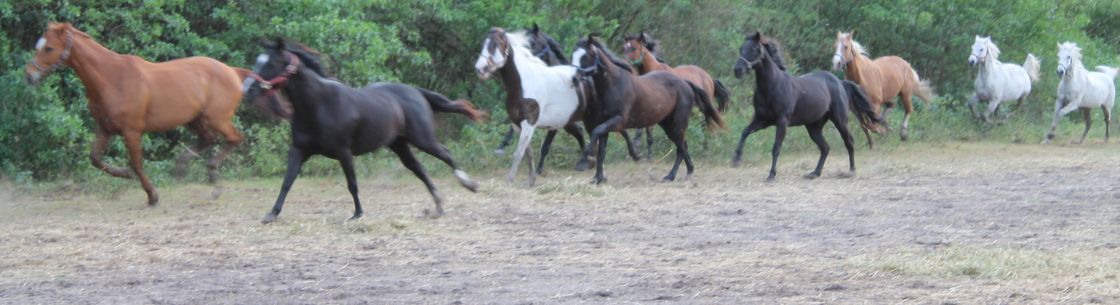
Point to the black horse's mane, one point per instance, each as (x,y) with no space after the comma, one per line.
(614,58)
(774,48)
(310,58)
(555,46)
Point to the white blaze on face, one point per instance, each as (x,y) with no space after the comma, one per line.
(248,82)
(838,57)
(481,63)
(577,56)
(42,42)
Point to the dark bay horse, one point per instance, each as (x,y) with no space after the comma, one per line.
(340,122)
(641,57)
(813,99)
(622,99)
(129,96)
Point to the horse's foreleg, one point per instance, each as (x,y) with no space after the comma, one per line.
(206,141)
(1088,115)
(649,143)
(501,150)
(577,132)
(1059,111)
(99,142)
(993,106)
(296,157)
(346,160)
(600,177)
(755,125)
(779,136)
(409,160)
(815,133)
(136,159)
(597,134)
(523,141)
(971,103)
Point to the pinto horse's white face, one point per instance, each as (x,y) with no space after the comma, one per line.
(1068,53)
(492,58)
(838,58)
(980,51)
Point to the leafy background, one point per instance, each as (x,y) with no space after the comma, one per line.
(45,131)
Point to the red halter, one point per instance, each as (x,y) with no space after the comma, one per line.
(279,81)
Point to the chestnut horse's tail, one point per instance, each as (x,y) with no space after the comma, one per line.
(441,103)
(861,106)
(711,115)
(722,95)
(275,104)
(1032,66)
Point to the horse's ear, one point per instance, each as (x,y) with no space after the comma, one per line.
(536,28)
(642,36)
(756,36)
(852,33)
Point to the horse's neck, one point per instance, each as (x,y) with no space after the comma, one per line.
(860,69)
(990,67)
(650,63)
(307,91)
(92,63)
(1077,76)
(511,80)
(768,76)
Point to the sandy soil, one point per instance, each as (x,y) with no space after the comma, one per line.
(920,224)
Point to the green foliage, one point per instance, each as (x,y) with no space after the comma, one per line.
(45,130)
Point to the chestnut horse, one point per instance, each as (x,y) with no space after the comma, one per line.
(642,58)
(883,79)
(622,99)
(129,96)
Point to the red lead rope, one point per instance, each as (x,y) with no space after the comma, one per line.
(271,85)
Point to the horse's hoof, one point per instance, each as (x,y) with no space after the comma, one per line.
(153,200)
(356,216)
(212,177)
(736,162)
(668,179)
(433,215)
(904,135)
(813,175)
(583,165)
(770,179)
(499,152)
(269,218)
(471,185)
(849,174)
(599,180)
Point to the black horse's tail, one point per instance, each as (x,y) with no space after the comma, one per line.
(722,95)
(861,106)
(711,115)
(441,103)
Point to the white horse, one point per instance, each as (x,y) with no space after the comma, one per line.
(1082,89)
(997,81)
(549,97)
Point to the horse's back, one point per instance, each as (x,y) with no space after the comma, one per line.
(555,94)
(1103,89)
(657,95)
(697,76)
(178,91)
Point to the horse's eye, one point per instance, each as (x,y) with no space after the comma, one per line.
(48,49)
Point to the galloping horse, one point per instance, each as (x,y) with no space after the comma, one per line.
(624,100)
(340,122)
(129,96)
(883,79)
(813,99)
(1082,89)
(997,81)
(643,58)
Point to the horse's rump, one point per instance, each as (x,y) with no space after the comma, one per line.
(655,98)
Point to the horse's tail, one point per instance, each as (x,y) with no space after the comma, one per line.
(924,91)
(861,106)
(723,95)
(242,73)
(711,114)
(441,103)
(1032,65)
(1110,71)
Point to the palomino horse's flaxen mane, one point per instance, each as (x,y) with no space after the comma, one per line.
(883,79)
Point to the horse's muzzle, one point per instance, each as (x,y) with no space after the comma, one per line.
(740,71)
(971,62)
(1061,73)
(33,78)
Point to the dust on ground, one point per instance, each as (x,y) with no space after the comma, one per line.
(955,223)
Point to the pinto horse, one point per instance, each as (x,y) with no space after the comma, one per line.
(646,61)
(129,96)
(339,122)
(624,100)
(883,79)
(813,99)
(1082,89)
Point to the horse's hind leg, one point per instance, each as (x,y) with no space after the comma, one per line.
(136,158)
(815,133)
(649,143)
(1088,115)
(206,141)
(545,147)
(233,138)
(870,141)
(908,106)
(577,132)
(346,160)
(428,144)
(405,154)
(99,142)
(1107,121)
(630,145)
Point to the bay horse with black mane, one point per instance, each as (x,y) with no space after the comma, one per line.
(339,122)
(622,100)
(129,96)
(813,99)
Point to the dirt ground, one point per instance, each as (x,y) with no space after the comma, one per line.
(955,223)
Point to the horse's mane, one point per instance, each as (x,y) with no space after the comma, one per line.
(1073,49)
(519,44)
(993,50)
(653,45)
(774,48)
(859,48)
(556,49)
(310,58)
(614,58)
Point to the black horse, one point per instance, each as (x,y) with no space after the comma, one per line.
(622,99)
(339,122)
(812,100)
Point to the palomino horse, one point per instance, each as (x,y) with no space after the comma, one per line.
(1082,89)
(997,81)
(643,58)
(813,99)
(883,79)
(129,96)
(624,100)
(340,122)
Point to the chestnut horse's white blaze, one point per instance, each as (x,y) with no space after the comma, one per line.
(996,81)
(550,88)
(1082,89)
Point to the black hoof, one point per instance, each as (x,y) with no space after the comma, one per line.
(736,162)
(599,180)
(583,165)
(770,179)
(813,175)
(356,216)
(433,215)
(269,218)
